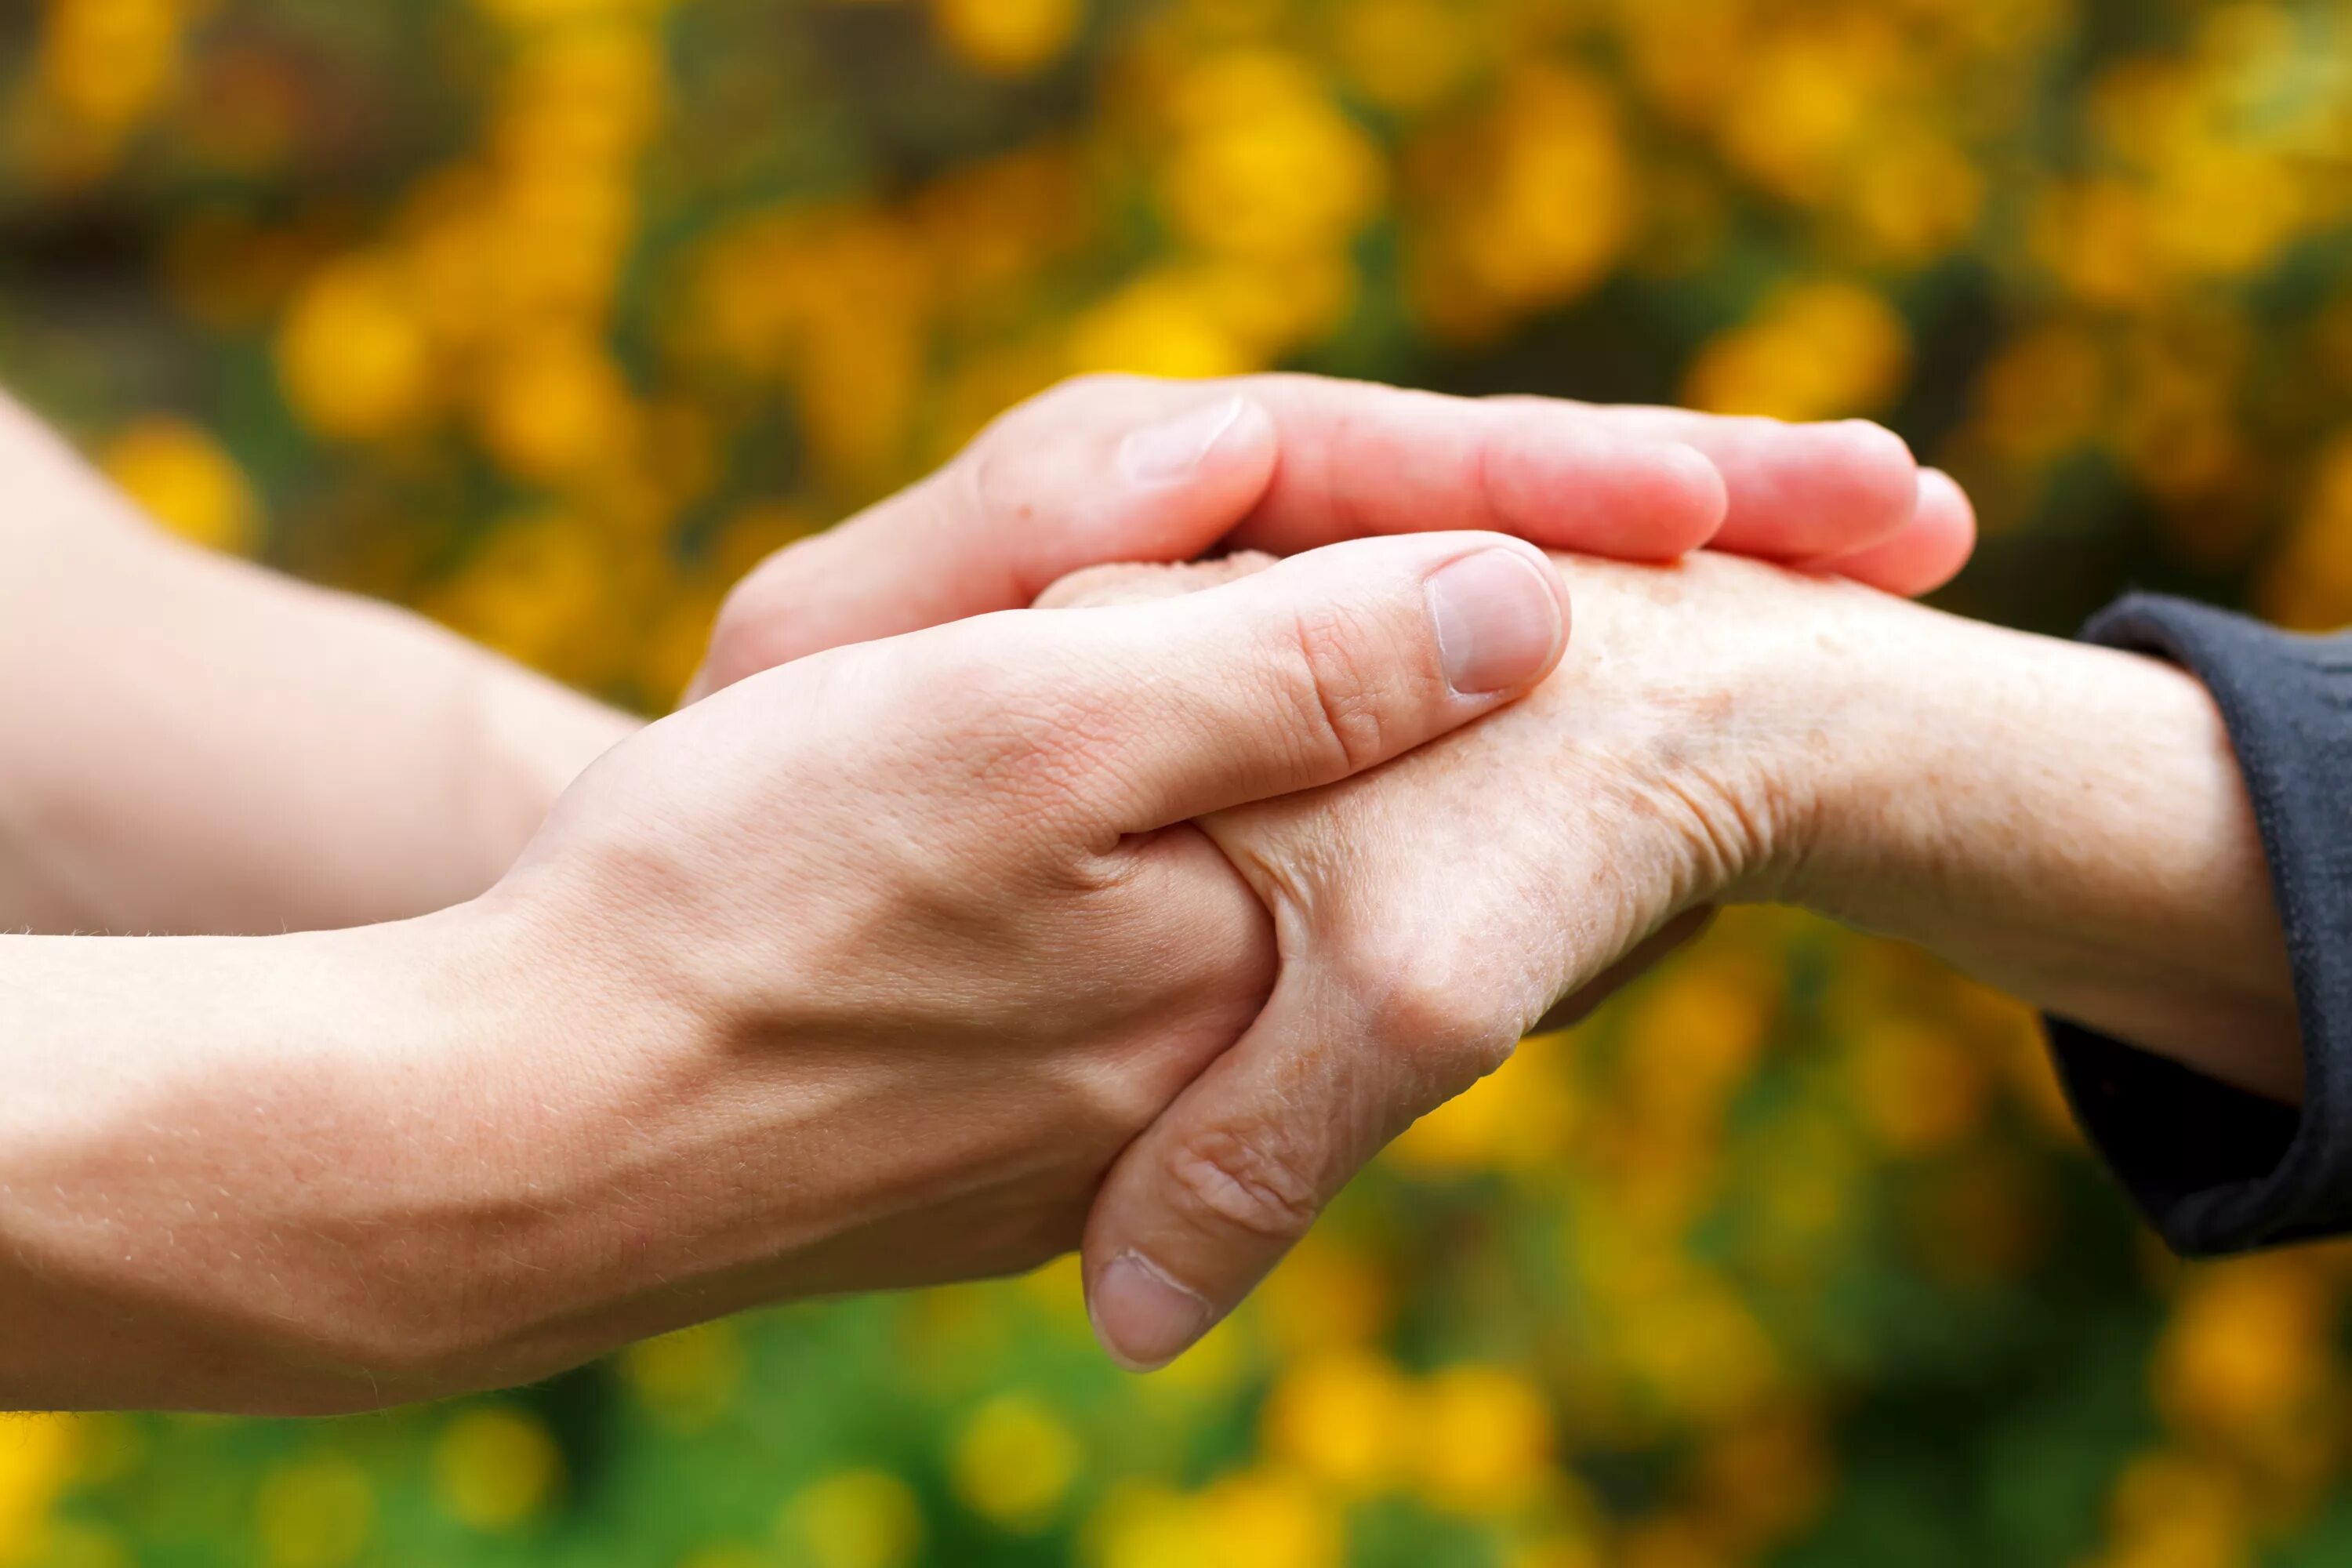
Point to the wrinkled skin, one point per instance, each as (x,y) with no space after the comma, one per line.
(864,969)
(1433,912)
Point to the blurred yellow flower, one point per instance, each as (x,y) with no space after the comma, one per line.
(1014,1462)
(353,353)
(555,408)
(1522,206)
(2044,393)
(2095,238)
(182,479)
(1688,1046)
(1697,1350)
(496,1468)
(1263,162)
(1145,1525)
(1326,1295)
(2309,584)
(1916,1087)
(542,588)
(2248,1341)
(689,1378)
(1814,350)
(108,63)
(35,1459)
(1521,1118)
(537,14)
(1914,197)
(315,1513)
(1345,1419)
(585,98)
(857,1519)
(1216,1365)
(2169,1511)
(1482,1439)
(1813,99)
(1258,1519)
(1265,1519)
(1162,325)
(1406,54)
(1008,38)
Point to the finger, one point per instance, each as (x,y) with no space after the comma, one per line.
(1675,935)
(1927,554)
(1112,468)
(1197,1210)
(1359,460)
(1099,586)
(1130,468)
(1796,493)
(1316,669)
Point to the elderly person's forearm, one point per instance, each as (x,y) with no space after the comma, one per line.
(2069,823)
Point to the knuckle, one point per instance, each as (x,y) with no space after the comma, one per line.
(1435,1013)
(999,482)
(1228,1179)
(1339,695)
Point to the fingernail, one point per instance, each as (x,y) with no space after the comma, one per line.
(1166,453)
(1498,622)
(1144,1318)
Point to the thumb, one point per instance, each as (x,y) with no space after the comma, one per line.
(1318,669)
(1200,1208)
(1109,469)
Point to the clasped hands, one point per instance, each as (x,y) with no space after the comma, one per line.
(940,935)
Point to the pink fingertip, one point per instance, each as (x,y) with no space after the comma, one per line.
(1928,553)
(1702,506)
(1808,491)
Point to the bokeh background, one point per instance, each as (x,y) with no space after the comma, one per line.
(551,317)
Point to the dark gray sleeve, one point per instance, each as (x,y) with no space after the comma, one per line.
(2217,1170)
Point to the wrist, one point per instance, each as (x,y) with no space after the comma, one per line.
(2065,821)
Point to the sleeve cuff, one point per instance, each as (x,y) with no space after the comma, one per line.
(2216,1170)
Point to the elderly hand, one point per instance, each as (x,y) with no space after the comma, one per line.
(858,975)
(2065,821)
(872,964)
(1119,468)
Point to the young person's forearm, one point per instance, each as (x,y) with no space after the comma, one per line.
(194,745)
(209,1160)
(2070,823)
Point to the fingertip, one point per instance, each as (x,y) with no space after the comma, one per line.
(1698,500)
(1868,435)
(1500,618)
(1926,553)
(1142,1318)
(1806,491)
(1942,499)
(1877,474)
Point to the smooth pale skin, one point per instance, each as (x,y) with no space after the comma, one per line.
(680,1060)
(782,1000)
(2066,822)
